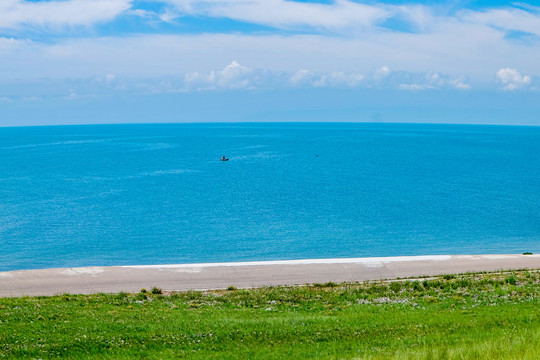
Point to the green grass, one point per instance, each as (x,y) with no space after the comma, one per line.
(471,316)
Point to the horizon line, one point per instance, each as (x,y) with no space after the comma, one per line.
(270,122)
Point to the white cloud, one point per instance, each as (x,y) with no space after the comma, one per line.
(426,80)
(468,48)
(236,76)
(381,73)
(302,76)
(353,18)
(168,16)
(15,13)
(287,14)
(414,87)
(456,53)
(340,79)
(334,79)
(10,46)
(145,14)
(421,17)
(508,19)
(511,79)
(233,76)
(460,83)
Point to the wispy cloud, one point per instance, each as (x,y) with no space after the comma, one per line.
(505,19)
(286,14)
(57,13)
(346,17)
(351,18)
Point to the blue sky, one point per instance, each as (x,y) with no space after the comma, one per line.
(118,61)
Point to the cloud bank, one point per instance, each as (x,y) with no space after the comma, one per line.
(232,77)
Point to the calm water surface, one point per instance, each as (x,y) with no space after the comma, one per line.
(155,194)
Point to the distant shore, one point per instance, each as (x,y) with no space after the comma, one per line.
(182,277)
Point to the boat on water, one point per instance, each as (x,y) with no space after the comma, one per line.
(224,158)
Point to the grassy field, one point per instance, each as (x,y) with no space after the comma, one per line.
(471,316)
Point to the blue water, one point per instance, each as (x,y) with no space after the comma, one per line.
(156,194)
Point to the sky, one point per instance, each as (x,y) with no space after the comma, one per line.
(157,61)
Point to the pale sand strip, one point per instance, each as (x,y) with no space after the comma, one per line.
(89,280)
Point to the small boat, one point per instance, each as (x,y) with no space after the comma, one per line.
(224,158)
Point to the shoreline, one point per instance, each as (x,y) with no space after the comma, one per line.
(206,276)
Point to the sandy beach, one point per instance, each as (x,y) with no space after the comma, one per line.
(180,277)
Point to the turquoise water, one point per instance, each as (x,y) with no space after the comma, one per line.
(156,194)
